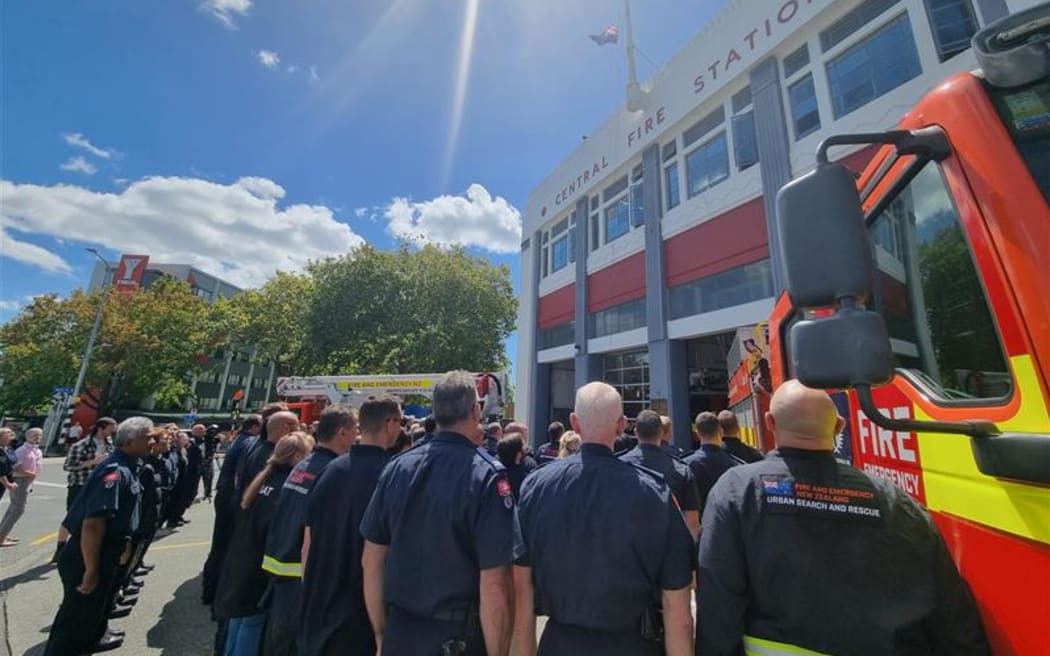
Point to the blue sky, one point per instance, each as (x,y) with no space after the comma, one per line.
(249,135)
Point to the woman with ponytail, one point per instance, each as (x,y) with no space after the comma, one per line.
(243,581)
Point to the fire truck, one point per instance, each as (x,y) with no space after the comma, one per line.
(319,391)
(919,296)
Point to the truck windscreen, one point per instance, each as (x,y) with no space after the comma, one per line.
(1026,113)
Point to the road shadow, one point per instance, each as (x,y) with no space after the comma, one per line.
(185,627)
(31,575)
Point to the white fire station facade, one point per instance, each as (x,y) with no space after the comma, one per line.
(651,244)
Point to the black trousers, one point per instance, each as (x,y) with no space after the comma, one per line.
(221,532)
(81,619)
(564,640)
(410,635)
(208,474)
(282,601)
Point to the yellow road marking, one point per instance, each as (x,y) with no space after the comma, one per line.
(47,538)
(184,545)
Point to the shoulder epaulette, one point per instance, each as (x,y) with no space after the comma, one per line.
(490,459)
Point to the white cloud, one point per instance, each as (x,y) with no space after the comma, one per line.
(78,140)
(78,164)
(476,219)
(361,212)
(27,253)
(237,231)
(269,58)
(10,306)
(226,10)
(314,77)
(292,69)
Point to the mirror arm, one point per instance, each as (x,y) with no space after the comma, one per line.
(927,143)
(976,428)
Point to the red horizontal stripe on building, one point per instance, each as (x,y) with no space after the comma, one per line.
(730,240)
(617,283)
(557,307)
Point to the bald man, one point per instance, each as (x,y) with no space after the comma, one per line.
(799,552)
(604,545)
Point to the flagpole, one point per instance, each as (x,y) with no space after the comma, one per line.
(635,97)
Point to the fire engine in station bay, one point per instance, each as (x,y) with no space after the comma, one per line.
(918,296)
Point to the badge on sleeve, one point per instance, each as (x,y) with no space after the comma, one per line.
(505,491)
(111,478)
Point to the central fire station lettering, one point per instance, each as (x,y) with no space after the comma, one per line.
(645,127)
(582,179)
(786,12)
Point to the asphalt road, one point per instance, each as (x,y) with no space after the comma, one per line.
(168,619)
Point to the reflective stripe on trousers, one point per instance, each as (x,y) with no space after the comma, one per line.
(278,568)
(762,647)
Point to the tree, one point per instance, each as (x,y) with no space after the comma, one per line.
(431,309)
(150,342)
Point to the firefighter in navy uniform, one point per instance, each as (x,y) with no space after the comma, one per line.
(101,522)
(548,451)
(336,433)
(800,554)
(607,555)
(439,539)
(651,454)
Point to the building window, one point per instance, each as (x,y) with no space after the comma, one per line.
(615,189)
(559,335)
(707,165)
(796,60)
(560,253)
(618,319)
(595,230)
(741,100)
(804,112)
(878,64)
(953,25)
(671,198)
(930,293)
(751,282)
(853,22)
(544,262)
(628,372)
(704,126)
(637,197)
(617,219)
(745,143)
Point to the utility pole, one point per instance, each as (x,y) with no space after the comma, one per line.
(86,360)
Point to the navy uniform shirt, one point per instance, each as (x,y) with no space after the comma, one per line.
(743,452)
(446,511)
(284,542)
(548,452)
(603,538)
(804,551)
(149,505)
(7,465)
(251,463)
(333,613)
(708,463)
(113,492)
(676,473)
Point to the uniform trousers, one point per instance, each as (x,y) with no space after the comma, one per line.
(19,499)
(282,601)
(565,640)
(411,635)
(81,619)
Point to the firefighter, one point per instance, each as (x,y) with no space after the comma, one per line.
(800,554)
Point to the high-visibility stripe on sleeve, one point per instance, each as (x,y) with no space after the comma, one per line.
(278,568)
(762,647)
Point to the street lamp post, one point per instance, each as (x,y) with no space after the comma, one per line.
(86,360)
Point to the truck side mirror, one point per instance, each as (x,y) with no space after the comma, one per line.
(846,349)
(824,247)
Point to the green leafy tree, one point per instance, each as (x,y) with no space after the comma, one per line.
(404,311)
(150,342)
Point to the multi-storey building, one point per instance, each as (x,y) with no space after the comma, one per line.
(650,245)
(226,372)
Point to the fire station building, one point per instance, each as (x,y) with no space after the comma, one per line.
(650,245)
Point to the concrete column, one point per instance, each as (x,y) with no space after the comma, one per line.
(539,375)
(771,131)
(269,380)
(251,374)
(588,367)
(225,374)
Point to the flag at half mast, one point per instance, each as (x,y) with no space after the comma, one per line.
(610,34)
